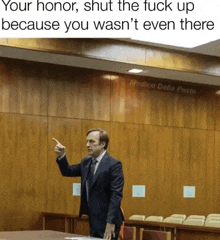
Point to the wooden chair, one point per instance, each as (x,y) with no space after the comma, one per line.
(173,220)
(137,217)
(154,235)
(212,218)
(196,217)
(129,233)
(183,216)
(213,215)
(154,218)
(212,223)
(126,233)
(194,221)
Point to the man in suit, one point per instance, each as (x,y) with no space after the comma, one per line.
(101,184)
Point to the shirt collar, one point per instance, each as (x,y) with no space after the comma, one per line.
(99,158)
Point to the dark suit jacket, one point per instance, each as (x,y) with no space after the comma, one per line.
(105,200)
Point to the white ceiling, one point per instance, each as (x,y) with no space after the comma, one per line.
(212,49)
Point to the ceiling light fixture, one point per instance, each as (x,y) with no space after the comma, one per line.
(134,70)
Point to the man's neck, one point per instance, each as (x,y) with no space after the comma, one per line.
(100,156)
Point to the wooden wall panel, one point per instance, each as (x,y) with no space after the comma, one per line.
(23,163)
(142,102)
(213,177)
(124,146)
(59,188)
(81,227)
(55,224)
(125,103)
(217,112)
(167,159)
(77,95)
(183,234)
(23,88)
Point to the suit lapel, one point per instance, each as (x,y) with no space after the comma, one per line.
(102,166)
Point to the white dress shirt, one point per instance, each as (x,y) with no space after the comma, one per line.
(99,158)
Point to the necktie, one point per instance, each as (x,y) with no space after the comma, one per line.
(91,175)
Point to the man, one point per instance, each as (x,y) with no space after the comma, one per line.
(101,184)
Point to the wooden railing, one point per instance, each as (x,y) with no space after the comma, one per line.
(65,223)
(73,224)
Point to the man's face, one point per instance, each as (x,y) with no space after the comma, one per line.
(94,147)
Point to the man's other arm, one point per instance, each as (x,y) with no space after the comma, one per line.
(116,189)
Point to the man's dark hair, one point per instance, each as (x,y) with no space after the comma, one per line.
(103,136)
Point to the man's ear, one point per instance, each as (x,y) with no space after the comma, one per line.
(103,144)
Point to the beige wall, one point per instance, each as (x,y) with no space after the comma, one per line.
(164,138)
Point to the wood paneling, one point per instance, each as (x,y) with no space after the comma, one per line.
(23,88)
(137,101)
(56,224)
(166,159)
(81,226)
(164,139)
(217,113)
(184,234)
(66,222)
(75,95)
(59,188)
(124,146)
(23,163)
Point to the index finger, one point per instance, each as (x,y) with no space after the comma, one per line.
(56,140)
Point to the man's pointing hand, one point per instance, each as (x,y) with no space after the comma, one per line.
(59,148)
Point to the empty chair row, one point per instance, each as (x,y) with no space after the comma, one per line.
(193,221)
(149,218)
(184,217)
(213,216)
(212,220)
(210,217)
